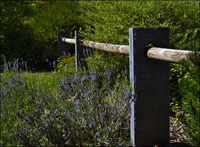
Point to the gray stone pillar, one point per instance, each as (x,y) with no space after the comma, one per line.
(150,88)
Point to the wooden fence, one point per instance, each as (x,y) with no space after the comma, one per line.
(149,79)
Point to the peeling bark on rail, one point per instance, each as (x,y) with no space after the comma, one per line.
(170,55)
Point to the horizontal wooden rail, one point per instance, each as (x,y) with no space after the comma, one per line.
(68,40)
(122,49)
(165,54)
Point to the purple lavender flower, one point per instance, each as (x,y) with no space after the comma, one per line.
(125,70)
(104,67)
(101,116)
(66,81)
(38,110)
(76,79)
(112,93)
(65,66)
(65,87)
(94,77)
(128,94)
(91,124)
(9,64)
(26,65)
(107,73)
(25,131)
(77,102)
(120,97)
(77,109)
(2,117)
(4,91)
(58,96)
(54,63)
(1,101)
(86,50)
(85,78)
(19,133)
(97,133)
(70,113)
(87,91)
(40,99)
(64,52)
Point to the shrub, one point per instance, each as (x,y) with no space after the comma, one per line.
(46,110)
(66,66)
(190,90)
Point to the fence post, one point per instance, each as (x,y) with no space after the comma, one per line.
(62,46)
(150,88)
(79,52)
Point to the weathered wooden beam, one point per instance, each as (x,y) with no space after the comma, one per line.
(170,55)
(122,49)
(68,40)
(164,54)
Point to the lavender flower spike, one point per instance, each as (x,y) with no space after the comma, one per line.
(101,116)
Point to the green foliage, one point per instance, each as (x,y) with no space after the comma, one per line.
(66,66)
(50,18)
(190,90)
(104,61)
(17,41)
(109,22)
(29,29)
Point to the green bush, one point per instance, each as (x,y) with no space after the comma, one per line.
(109,22)
(190,90)
(66,66)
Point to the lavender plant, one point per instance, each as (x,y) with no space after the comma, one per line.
(42,109)
(101,115)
